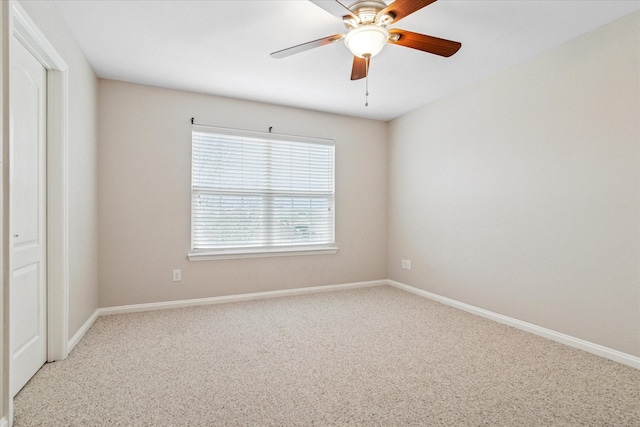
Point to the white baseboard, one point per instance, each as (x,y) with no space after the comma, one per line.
(83,330)
(233,298)
(599,350)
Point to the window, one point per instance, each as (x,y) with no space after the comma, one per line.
(260,194)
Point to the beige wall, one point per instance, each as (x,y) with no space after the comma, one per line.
(144,196)
(521,194)
(82,161)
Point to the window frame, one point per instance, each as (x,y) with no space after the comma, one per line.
(203,254)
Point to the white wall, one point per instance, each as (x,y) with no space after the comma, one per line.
(144,197)
(82,161)
(521,194)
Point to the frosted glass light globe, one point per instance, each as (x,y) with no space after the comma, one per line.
(366,40)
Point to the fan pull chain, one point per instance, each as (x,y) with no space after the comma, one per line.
(367,58)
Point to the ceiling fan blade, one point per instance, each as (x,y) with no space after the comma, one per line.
(402,8)
(306,46)
(359,70)
(335,8)
(424,43)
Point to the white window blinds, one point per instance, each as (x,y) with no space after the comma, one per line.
(260,191)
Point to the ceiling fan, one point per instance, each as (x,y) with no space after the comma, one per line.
(367,22)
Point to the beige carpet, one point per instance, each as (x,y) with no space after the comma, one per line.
(367,357)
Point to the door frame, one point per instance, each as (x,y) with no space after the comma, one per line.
(16,22)
(26,31)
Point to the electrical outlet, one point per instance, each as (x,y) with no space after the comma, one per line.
(177,275)
(408,264)
(404,263)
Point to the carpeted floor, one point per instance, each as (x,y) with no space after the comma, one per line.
(368,357)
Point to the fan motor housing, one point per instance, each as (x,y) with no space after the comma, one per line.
(366,11)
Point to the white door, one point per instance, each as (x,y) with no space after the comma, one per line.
(28,287)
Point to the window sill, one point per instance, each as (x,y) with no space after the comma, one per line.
(259,253)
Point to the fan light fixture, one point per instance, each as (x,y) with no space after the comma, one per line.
(366,22)
(367,40)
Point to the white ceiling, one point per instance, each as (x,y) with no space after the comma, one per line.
(222,48)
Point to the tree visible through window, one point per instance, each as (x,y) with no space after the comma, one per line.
(254,192)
